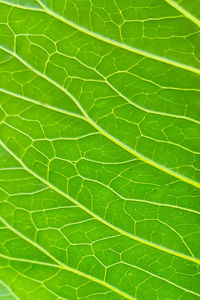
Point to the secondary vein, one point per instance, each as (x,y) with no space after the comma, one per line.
(184,12)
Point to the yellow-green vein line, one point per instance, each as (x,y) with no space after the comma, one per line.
(31,8)
(184,12)
(42,104)
(10,290)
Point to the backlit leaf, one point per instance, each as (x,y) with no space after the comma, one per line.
(99,149)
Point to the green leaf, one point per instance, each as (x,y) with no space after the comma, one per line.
(99,157)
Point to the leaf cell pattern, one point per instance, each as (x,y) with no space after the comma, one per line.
(99,157)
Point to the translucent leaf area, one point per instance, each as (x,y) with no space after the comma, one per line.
(99,149)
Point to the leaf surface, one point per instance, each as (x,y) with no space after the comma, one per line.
(99,157)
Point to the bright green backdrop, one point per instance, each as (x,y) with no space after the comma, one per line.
(99,162)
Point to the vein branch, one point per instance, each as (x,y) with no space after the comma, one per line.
(184,12)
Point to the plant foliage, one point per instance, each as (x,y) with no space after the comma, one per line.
(99,162)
